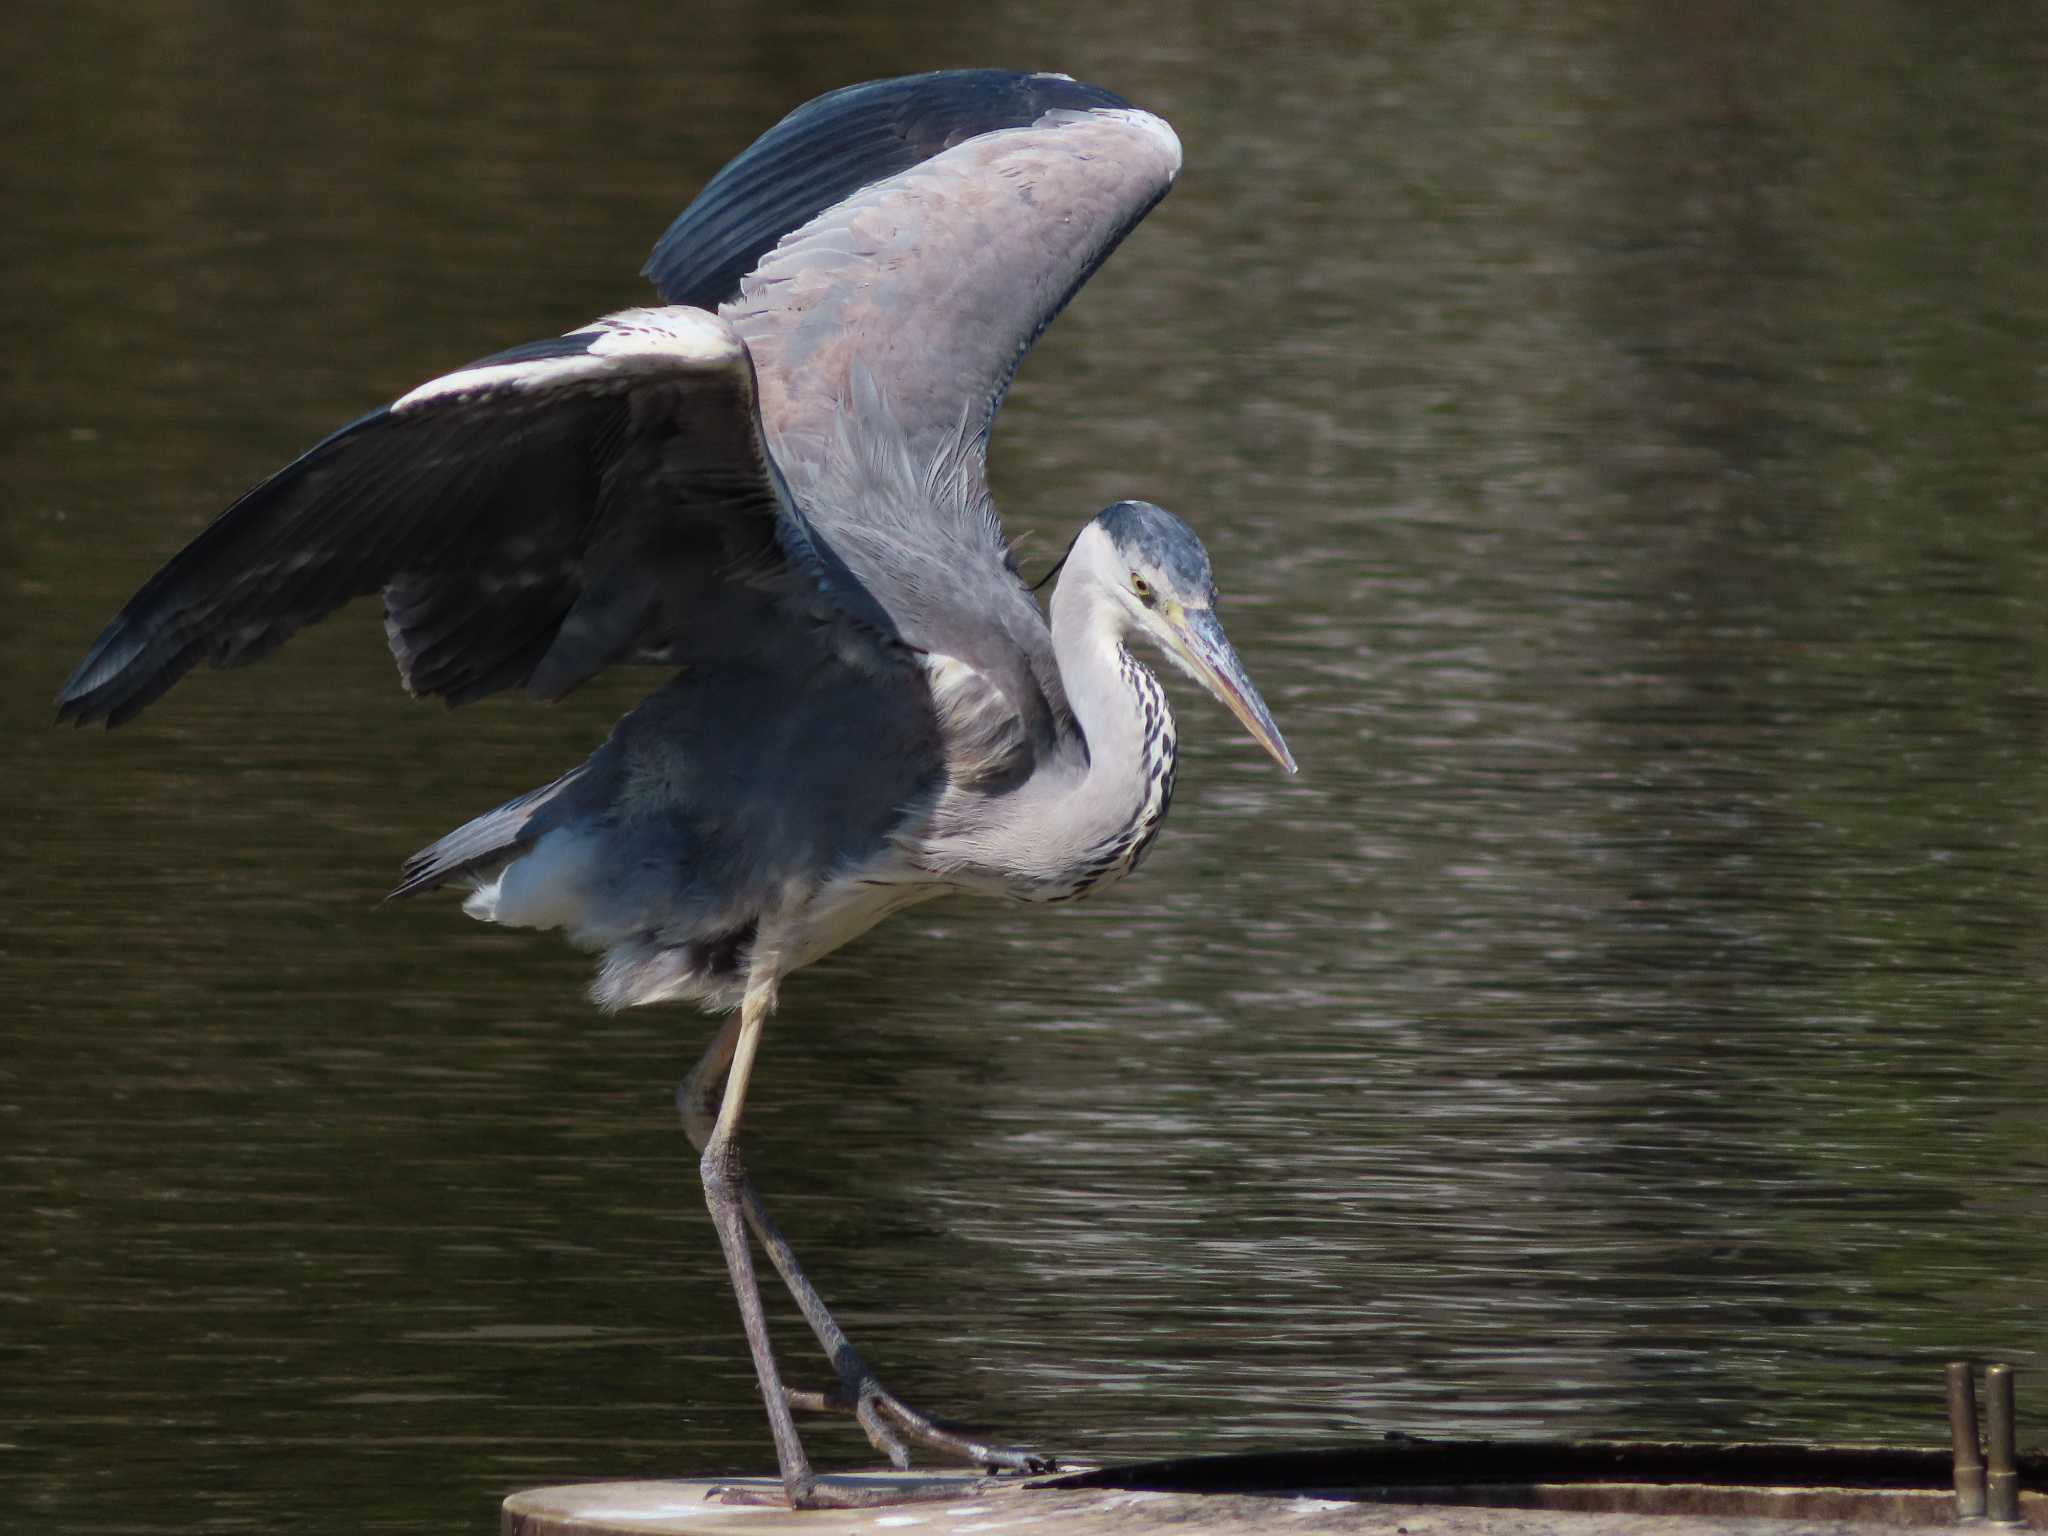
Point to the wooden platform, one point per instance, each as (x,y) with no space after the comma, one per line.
(978,1506)
(1399,1485)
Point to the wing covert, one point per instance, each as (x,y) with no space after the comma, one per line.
(936,280)
(829,148)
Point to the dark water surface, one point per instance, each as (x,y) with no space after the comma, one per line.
(1621,439)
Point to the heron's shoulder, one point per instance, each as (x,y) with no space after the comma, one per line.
(608,351)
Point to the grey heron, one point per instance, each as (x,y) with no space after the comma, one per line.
(771,483)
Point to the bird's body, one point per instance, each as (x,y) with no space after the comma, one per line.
(620,854)
(774,485)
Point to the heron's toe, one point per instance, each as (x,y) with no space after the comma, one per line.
(881,1435)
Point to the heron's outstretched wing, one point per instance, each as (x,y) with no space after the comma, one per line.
(529,519)
(830,148)
(927,227)
(889,253)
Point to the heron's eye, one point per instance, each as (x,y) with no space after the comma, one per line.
(1143,588)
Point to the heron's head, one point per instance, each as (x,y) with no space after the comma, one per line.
(1157,576)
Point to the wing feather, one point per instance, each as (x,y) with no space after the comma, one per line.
(828,149)
(649,487)
(889,253)
(936,280)
(530,518)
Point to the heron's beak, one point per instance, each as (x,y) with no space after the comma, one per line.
(1201,645)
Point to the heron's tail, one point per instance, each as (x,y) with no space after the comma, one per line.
(491,839)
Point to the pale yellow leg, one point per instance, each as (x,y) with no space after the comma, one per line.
(724,1180)
(731,1195)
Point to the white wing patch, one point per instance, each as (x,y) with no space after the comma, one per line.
(633,340)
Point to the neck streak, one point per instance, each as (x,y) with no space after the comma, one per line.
(1112,814)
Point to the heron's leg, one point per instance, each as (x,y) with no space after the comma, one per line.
(860,1392)
(698,1100)
(724,1176)
(880,1412)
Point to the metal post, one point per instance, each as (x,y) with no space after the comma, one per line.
(1962,1435)
(2002,1474)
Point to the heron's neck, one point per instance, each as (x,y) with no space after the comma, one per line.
(1117,801)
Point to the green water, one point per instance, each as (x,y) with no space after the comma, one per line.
(1619,430)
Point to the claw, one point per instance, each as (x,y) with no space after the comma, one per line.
(733,1493)
(880,1435)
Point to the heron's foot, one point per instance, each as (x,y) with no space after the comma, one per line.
(736,1493)
(835,1493)
(888,1422)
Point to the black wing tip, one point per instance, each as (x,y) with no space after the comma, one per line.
(79,713)
(107,706)
(100,689)
(153,641)
(74,703)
